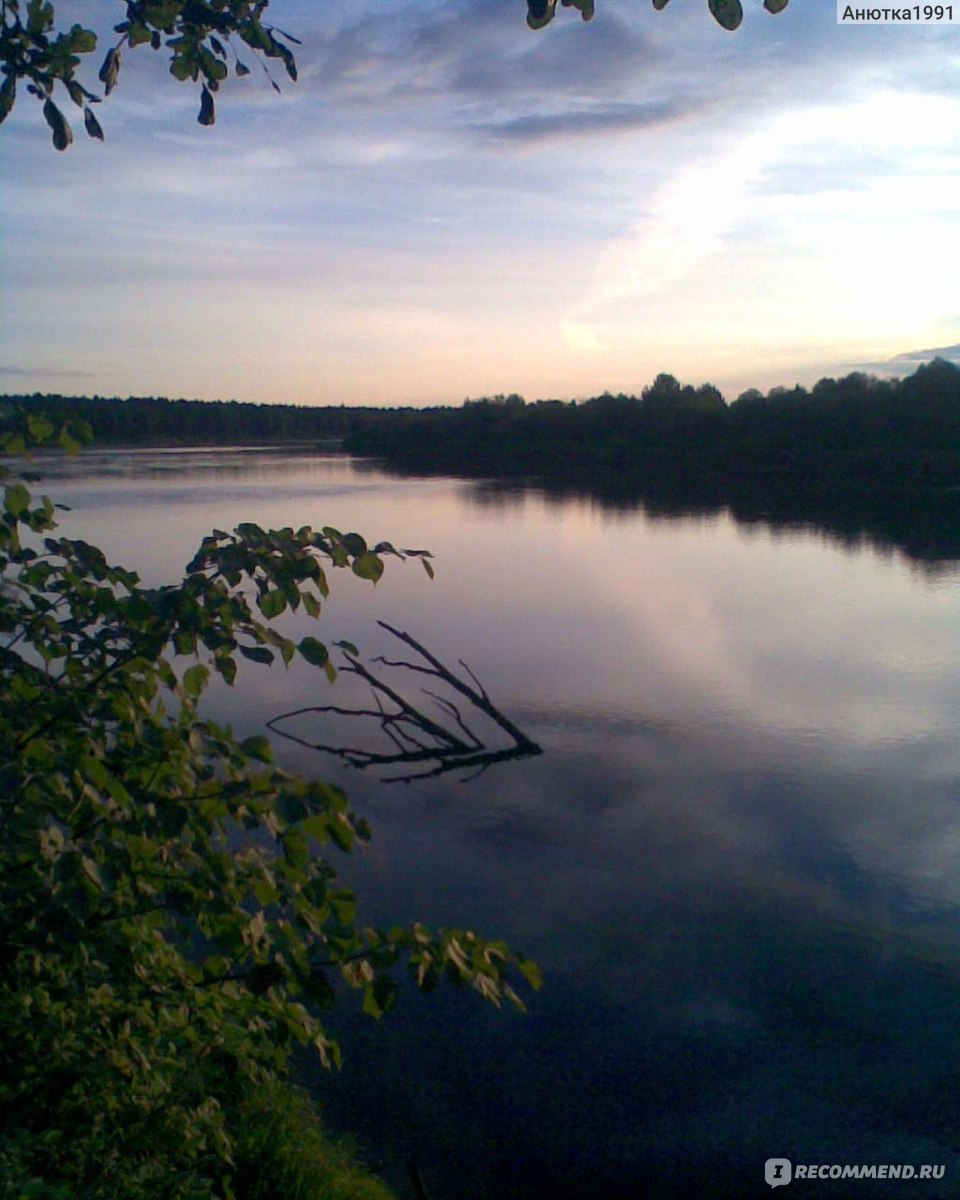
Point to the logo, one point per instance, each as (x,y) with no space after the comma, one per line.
(777,1171)
(780,1171)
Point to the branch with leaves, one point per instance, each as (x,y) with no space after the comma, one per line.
(727,13)
(201,37)
(169,916)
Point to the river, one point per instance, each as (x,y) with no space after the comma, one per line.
(737,860)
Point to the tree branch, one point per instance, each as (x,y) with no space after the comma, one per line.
(417,738)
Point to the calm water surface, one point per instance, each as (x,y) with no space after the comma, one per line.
(737,861)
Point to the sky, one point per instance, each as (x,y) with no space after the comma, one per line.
(448,204)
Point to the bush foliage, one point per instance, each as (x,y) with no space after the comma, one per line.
(169,928)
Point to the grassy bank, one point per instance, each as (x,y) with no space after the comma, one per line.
(282,1152)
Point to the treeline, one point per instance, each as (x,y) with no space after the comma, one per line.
(146,420)
(855,431)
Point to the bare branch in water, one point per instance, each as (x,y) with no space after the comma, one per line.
(439,744)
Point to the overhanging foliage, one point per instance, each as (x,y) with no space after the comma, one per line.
(206,40)
(167,919)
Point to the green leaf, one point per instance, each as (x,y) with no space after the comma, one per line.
(368,566)
(288,60)
(82,41)
(110,70)
(16,499)
(50,842)
(40,428)
(296,848)
(265,891)
(531,972)
(314,651)
(272,604)
(775,6)
(344,906)
(91,124)
(257,747)
(728,13)
(212,67)
(183,68)
(92,872)
(195,680)
(342,834)
(540,12)
(226,666)
(8,96)
(259,654)
(138,34)
(68,442)
(38,752)
(316,827)
(62,133)
(39,17)
(185,642)
(207,114)
(370,1005)
(660,5)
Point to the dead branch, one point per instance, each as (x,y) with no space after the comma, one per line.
(438,743)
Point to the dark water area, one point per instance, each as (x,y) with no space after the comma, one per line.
(922,523)
(737,860)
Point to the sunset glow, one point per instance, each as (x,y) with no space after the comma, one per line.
(448,204)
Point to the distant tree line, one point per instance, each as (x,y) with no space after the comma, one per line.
(855,431)
(146,420)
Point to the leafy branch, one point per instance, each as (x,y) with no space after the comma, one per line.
(201,36)
(727,13)
(169,914)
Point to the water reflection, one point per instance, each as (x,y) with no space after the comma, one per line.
(732,972)
(738,859)
(923,526)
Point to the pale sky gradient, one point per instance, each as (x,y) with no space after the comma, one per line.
(451,205)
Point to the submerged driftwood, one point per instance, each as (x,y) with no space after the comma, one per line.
(439,743)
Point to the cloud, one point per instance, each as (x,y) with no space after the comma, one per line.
(921,356)
(912,359)
(646,185)
(460,69)
(42,373)
(610,118)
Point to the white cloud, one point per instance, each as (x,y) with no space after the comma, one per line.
(584,206)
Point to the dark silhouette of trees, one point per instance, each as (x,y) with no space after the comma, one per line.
(141,420)
(856,456)
(858,429)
